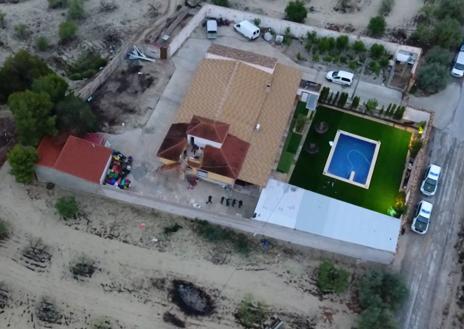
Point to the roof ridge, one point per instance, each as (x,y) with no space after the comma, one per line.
(61,152)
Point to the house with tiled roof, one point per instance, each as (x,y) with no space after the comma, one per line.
(229,128)
(73,161)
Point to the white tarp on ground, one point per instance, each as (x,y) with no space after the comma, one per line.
(290,206)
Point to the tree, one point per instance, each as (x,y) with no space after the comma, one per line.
(450,8)
(51,84)
(18,72)
(371,105)
(32,112)
(447,33)
(67,31)
(438,55)
(76,9)
(381,289)
(331,279)
(67,207)
(377,318)
(22,160)
(296,11)
(342,101)
(355,103)
(377,51)
(41,43)
(359,47)
(432,77)
(342,42)
(376,26)
(75,116)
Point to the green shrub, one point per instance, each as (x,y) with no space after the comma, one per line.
(67,207)
(316,58)
(300,57)
(4,230)
(376,26)
(343,99)
(400,205)
(22,160)
(447,33)
(377,318)
(296,11)
(173,228)
(381,289)
(386,7)
(22,32)
(353,65)
(86,66)
(375,67)
(331,279)
(54,4)
(432,77)
(371,105)
(342,42)
(2,20)
(359,47)
(67,31)
(223,3)
(324,93)
(76,9)
(251,313)
(326,44)
(288,37)
(257,21)
(415,147)
(377,51)
(41,43)
(335,99)
(398,115)
(438,55)
(311,40)
(355,102)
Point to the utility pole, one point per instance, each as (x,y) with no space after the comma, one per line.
(359,78)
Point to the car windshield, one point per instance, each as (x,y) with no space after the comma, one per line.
(459,66)
(430,184)
(335,74)
(421,224)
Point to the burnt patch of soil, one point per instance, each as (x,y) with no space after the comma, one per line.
(4,297)
(173,319)
(83,268)
(191,299)
(36,256)
(48,312)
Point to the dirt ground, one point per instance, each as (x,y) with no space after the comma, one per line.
(135,267)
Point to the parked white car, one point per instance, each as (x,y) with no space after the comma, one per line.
(430,183)
(341,77)
(421,221)
(458,66)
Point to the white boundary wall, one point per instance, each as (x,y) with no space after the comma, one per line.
(279,26)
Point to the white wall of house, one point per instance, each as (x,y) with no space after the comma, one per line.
(51,175)
(202,142)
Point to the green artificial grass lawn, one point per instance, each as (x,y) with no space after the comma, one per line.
(292,142)
(388,170)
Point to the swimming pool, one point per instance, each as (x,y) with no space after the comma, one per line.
(352,158)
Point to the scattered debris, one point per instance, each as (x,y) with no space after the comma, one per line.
(173,319)
(191,299)
(136,54)
(47,312)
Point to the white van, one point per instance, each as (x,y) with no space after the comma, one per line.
(458,67)
(247,29)
(341,77)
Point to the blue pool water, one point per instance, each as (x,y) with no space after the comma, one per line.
(352,154)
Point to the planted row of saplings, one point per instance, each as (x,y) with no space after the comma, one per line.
(340,99)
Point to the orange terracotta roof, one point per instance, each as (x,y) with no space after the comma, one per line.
(228,160)
(208,129)
(76,157)
(243,96)
(174,143)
